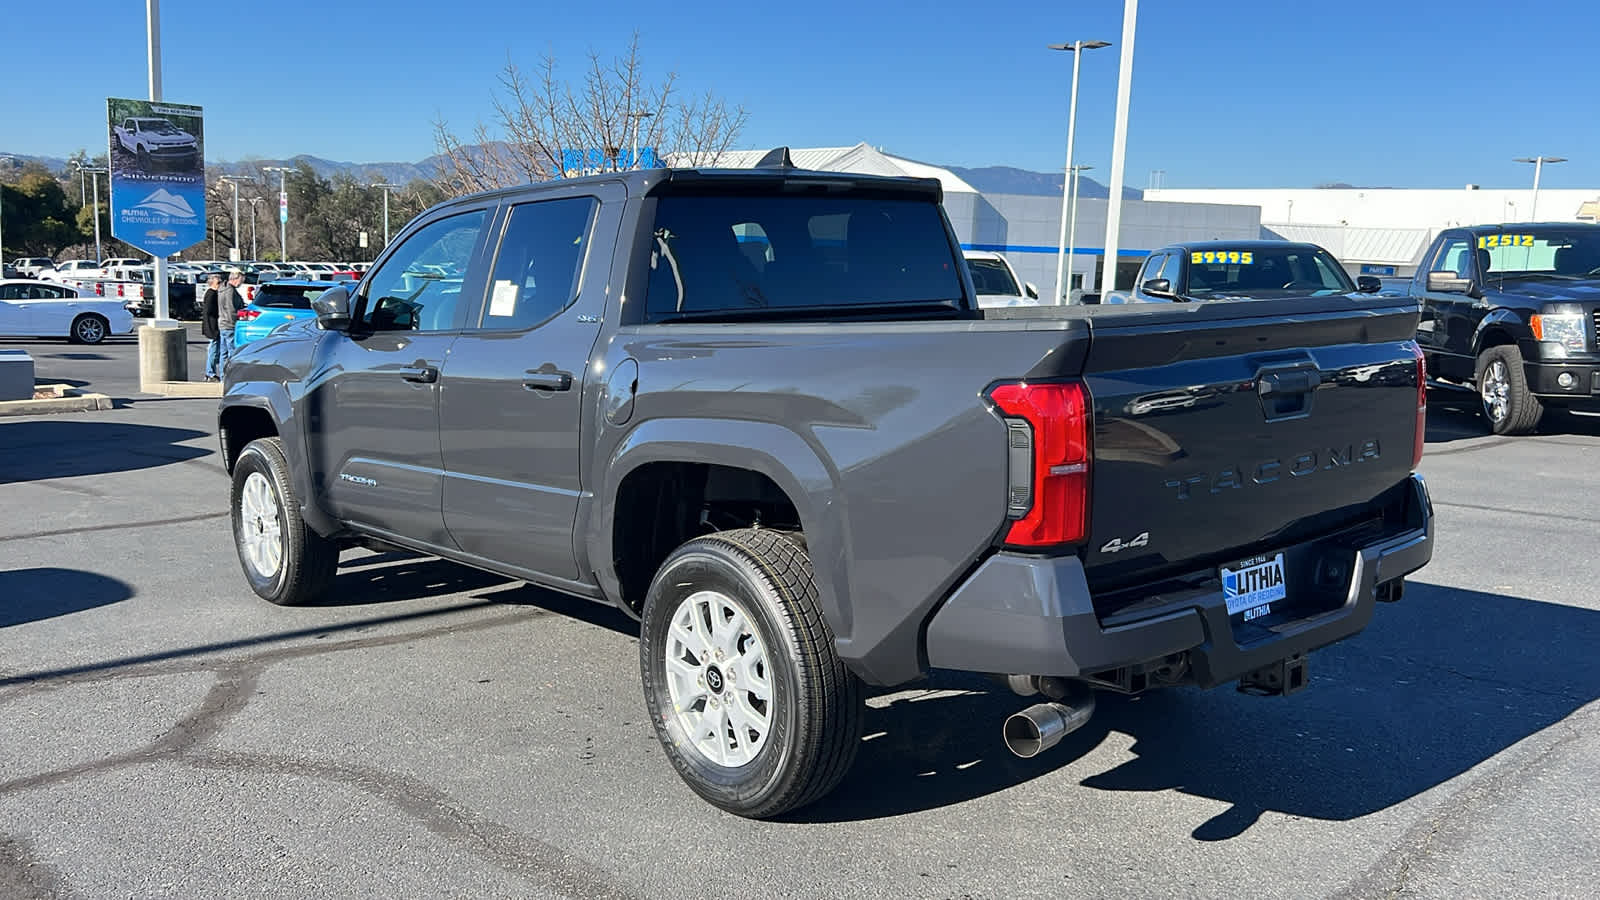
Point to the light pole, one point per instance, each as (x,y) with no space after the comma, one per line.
(1119,146)
(253,201)
(234,181)
(92,171)
(283,210)
(386,188)
(152,24)
(1072,228)
(1064,252)
(1538,167)
(636,116)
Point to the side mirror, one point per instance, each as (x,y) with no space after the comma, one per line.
(333,308)
(1030,290)
(1158,286)
(1368,284)
(1449,283)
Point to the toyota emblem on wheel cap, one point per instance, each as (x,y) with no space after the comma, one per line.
(714,679)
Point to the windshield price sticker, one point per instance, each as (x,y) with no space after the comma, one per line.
(1253,585)
(1491,241)
(1225,257)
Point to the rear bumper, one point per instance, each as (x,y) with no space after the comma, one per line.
(1031,616)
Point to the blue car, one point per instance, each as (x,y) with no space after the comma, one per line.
(275,303)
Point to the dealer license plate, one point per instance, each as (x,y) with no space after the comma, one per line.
(1252,586)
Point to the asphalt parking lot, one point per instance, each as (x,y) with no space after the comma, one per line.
(436,731)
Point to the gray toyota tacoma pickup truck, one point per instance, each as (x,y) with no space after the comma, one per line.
(761,412)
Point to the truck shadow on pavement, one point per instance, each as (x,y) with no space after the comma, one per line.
(1441,682)
(52,448)
(32,595)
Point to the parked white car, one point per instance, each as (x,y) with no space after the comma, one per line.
(31,266)
(70,268)
(32,308)
(997,283)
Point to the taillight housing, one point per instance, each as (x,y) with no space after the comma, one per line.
(1422,404)
(1047,432)
(247,315)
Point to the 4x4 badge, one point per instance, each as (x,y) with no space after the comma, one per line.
(1115,545)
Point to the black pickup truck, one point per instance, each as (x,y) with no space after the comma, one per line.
(1240,270)
(1513,311)
(762,412)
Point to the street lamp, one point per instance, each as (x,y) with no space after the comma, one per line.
(234,180)
(1072,229)
(1064,252)
(1538,167)
(636,116)
(253,201)
(92,171)
(1119,146)
(386,188)
(283,210)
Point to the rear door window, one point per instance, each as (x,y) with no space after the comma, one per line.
(540,257)
(737,254)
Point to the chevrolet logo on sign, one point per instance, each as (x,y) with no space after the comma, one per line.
(160,234)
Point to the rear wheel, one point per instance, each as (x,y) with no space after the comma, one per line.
(747,693)
(1503,389)
(89,328)
(284,560)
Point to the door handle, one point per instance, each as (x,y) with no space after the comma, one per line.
(420,374)
(540,380)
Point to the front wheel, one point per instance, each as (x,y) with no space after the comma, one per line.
(284,560)
(1503,387)
(747,693)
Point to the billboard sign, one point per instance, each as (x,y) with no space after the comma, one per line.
(595,161)
(158,174)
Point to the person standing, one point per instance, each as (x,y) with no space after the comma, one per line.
(230,299)
(208,327)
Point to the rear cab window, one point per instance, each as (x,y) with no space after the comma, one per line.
(778,253)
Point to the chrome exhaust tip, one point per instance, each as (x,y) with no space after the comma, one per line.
(1042,726)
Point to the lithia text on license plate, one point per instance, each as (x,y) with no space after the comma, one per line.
(1252,586)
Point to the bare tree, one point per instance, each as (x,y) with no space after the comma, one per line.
(553,129)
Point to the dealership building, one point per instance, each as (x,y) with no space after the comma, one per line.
(1373,231)
(1384,231)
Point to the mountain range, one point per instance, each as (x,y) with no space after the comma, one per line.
(987,179)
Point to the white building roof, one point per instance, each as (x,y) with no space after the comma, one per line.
(861,159)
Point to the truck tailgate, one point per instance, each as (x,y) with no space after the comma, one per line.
(1228,431)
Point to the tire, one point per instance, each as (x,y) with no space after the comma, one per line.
(89,329)
(144,159)
(1503,391)
(284,560)
(799,707)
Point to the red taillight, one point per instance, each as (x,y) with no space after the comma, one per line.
(1047,428)
(99,290)
(1422,405)
(248,315)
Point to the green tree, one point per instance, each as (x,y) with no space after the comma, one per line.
(38,219)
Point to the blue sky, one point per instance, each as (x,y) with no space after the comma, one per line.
(1254,93)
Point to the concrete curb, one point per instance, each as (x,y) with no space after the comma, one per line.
(67,400)
(182,388)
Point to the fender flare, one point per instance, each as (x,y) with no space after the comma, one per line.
(1501,319)
(782,455)
(272,399)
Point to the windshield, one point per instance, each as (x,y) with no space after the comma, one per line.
(159,126)
(1525,252)
(1266,272)
(990,276)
